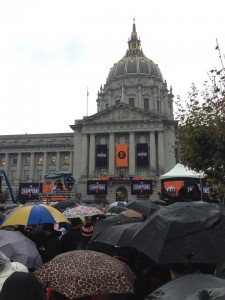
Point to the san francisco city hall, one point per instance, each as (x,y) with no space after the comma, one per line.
(134,117)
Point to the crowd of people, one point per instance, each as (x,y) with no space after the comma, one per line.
(18,282)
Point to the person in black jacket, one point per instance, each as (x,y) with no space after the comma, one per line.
(70,240)
(52,246)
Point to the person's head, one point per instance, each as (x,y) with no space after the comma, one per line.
(87,230)
(22,286)
(86,220)
(48,229)
(76,222)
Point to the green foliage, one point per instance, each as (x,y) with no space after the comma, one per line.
(201,130)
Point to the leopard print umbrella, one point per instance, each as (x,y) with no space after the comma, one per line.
(144,207)
(82,273)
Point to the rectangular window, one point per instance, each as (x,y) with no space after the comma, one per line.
(131,101)
(146,103)
(107,106)
(2,161)
(14,160)
(40,160)
(27,160)
(38,175)
(66,159)
(53,159)
(117,101)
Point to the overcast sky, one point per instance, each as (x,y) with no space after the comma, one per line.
(52,50)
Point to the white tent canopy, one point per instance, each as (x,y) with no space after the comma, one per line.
(181,171)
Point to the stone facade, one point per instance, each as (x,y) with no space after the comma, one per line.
(133,107)
(28,157)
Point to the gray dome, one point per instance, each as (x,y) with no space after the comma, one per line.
(134,65)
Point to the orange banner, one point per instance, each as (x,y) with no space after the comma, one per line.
(173,186)
(121,155)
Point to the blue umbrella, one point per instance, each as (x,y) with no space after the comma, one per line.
(34,214)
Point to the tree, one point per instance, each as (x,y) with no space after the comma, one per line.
(201,130)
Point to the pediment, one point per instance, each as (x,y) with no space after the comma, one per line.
(122,112)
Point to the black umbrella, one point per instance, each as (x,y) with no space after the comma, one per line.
(116,209)
(63,205)
(144,207)
(187,285)
(117,235)
(183,233)
(116,203)
(116,220)
(158,201)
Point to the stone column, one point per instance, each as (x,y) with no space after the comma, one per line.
(152,152)
(155,100)
(92,155)
(161,152)
(84,155)
(131,154)
(19,163)
(45,163)
(139,96)
(123,94)
(165,104)
(6,167)
(111,155)
(71,162)
(110,98)
(31,173)
(57,167)
(170,100)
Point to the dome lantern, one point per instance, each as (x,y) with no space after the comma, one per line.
(134,44)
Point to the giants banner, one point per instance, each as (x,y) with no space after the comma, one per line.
(29,191)
(101,156)
(173,186)
(141,187)
(142,154)
(121,155)
(97,187)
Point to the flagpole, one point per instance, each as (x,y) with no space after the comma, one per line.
(87,102)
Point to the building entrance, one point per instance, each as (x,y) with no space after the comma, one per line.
(121,194)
